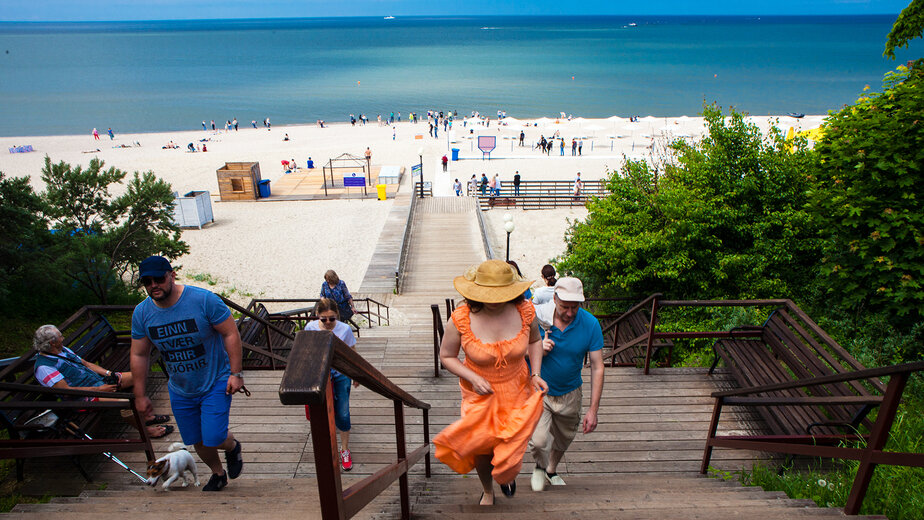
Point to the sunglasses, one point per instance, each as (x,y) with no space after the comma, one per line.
(326,320)
(148,280)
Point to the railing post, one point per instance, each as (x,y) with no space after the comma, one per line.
(877,441)
(327,467)
(651,331)
(713,427)
(426,432)
(435,309)
(402,455)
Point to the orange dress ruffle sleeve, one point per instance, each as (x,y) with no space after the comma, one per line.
(498,424)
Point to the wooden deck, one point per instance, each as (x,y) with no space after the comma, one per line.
(305,184)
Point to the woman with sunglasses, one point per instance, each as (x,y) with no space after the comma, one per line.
(328,319)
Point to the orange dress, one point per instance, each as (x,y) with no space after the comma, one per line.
(498,424)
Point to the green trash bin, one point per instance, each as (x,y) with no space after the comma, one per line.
(381,190)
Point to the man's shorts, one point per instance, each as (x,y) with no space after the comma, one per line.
(204,418)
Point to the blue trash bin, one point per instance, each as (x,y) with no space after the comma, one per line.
(455,154)
(264,188)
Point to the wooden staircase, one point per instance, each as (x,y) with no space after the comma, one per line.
(641,463)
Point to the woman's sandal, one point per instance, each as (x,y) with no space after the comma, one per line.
(482,499)
(157,419)
(509,489)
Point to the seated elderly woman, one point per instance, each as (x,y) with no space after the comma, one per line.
(57,366)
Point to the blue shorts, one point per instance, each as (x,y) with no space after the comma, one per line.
(341,385)
(205,418)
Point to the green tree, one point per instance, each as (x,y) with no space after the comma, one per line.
(867,198)
(99,238)
(23,233)
(908,26)
(725,221)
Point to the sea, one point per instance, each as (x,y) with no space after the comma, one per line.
(67,78)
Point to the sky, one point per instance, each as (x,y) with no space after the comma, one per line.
(113,10)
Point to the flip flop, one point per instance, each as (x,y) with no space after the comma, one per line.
(168,429)
(158,419)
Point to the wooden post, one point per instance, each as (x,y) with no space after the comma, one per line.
(426,432)
(402,455)
(713,426)
(877,441)
(651,330)
(327,466)
(435,309)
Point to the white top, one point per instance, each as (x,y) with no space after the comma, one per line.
(341,330)
(543,295)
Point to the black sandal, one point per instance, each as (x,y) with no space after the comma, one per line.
(157,419)
(168,429)
(509,489)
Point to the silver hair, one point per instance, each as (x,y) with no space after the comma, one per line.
(44,336)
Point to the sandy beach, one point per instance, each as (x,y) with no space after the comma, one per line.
(282,248)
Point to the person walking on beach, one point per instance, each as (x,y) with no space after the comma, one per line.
(96,134)
(253,123)
(573,147)
(580,146)
(204,128)
(561,147)
(213,124)
(111,135)
(234,122)
(501,394)
(458,187)
(328,319)
(522,137)
(472,186)
(493,186)
(484,183)
(568,333)
(445,161)
(368,155)
(516,183)
(201,349)
(578,186)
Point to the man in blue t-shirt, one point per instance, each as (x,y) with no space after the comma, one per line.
(201,349)
(568,333)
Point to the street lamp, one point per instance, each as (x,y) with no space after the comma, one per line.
(508,227)
(420,155)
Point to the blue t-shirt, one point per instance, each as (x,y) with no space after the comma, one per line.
(561,367)
(193,351)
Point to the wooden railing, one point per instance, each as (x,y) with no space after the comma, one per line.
(374,311)
(870,456)
(541,195)
(405,243)
(306,381)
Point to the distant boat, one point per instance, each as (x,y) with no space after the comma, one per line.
(389,17)
(796,115)
(633,24)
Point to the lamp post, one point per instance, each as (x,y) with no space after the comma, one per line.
(508,227)
(420,155)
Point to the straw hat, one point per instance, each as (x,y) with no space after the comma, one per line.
(493,281)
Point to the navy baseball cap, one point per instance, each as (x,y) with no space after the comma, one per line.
(154,266)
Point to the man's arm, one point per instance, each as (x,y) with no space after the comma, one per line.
(140,363)
(232,341)
(596,390)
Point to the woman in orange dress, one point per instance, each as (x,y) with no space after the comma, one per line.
(501,395)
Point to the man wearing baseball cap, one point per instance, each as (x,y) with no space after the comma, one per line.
(201,348)
(569,332)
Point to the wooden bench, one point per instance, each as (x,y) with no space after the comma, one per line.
(23,400)
(791,347)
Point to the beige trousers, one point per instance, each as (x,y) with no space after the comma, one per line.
(561,415)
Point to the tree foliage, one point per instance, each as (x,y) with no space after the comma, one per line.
(23,233)
(867,196)
(908,26)
(726,221)
(99,237)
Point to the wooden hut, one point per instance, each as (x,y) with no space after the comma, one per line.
(239,181)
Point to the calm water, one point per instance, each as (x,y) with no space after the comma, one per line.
(156,76)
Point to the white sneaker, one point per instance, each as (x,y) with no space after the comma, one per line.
(538,479)
(554,479)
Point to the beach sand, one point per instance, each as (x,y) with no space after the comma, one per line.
(280,249)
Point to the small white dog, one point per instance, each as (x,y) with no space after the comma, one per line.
(172,466)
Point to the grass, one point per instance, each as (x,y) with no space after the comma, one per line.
(202,277)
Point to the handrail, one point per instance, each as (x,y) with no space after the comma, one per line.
(632,310)
(488,250)
(405,241)
(869,457)
(438,333)
(367,313)
(306,381)
(254,317)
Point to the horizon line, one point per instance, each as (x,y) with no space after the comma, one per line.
(457,16)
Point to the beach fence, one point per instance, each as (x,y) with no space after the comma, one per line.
(239,181)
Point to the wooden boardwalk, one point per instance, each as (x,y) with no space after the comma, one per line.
(641,462)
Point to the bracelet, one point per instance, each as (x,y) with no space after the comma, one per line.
(534,375)
(108,372)
(238,374)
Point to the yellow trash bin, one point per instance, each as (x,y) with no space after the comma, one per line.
(381,189)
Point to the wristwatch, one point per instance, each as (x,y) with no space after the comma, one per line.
(238,374)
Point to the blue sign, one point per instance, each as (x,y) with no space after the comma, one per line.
(415,170)
(353,181)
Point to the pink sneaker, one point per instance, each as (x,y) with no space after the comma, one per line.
(346,460)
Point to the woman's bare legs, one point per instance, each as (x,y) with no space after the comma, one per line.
(484,467)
